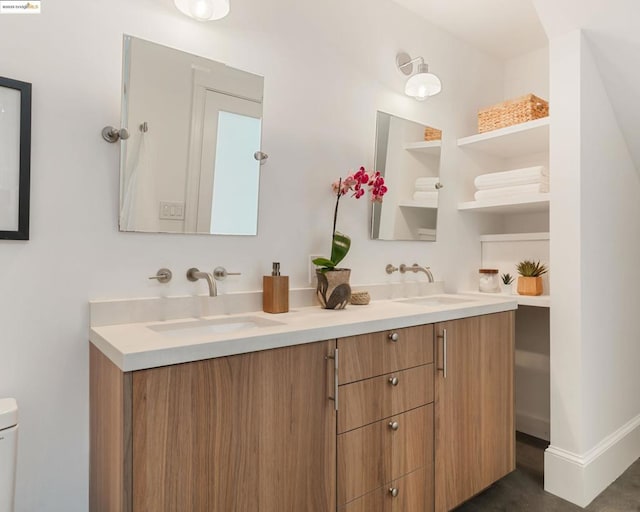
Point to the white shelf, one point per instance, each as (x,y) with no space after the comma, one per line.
(540,301)
(521,139)
(416,204)
(432,146)
(515,237)
(535,203)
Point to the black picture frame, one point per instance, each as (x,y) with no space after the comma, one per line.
(24,167)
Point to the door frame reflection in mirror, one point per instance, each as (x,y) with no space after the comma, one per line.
(403,156)
(164,97)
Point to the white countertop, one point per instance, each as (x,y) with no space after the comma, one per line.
(134,346)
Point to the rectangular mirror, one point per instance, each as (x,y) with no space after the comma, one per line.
(408,156)
(15,158)
(195,125)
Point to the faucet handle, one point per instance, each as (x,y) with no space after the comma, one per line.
(221,273)
(163,275)
(390,269)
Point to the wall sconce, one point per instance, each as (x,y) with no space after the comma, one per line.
(422,84)
(203,10)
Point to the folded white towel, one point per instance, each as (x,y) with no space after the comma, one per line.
(425,181)
(511,192)
(425,188)
(425,196)
(525,176)
(426,231)
(427,238)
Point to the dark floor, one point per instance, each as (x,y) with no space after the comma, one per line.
(522,490)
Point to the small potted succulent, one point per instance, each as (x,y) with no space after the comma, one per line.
(530,280)
(507,282)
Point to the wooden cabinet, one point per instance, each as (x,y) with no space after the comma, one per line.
(385,421)
(246,433)
(474,406)
(257,432)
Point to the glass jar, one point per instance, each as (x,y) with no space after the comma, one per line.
(489,280)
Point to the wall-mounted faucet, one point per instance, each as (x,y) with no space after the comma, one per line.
(193,274)
(219,273)
(417,268)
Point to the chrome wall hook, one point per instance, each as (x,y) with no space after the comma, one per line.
(112,135)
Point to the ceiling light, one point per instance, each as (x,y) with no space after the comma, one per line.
(420,84)
(203,10)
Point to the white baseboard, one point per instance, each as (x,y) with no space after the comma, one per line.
(536,427)
(580,478)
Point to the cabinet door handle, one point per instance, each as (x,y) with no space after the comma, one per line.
(394,492)
(335,378)
(394,381)
(394,425)
(444,353)
(393,336)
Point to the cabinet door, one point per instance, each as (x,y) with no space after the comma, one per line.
(247,433)
(474,406)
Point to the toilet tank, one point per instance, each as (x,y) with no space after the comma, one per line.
(8,452)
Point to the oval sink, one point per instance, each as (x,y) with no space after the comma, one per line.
(212,326)
(437,300)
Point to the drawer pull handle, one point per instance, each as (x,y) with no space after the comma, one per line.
(394,425)
(394,492)
(394,381)
(393,336)
(443,336)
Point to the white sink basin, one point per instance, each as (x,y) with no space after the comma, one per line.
(213,326)
(437,300)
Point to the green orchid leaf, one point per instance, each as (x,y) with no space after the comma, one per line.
(340,247)
(323,262)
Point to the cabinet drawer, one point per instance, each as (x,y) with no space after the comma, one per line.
(384,451)
(414,494)
(370,355)
(373,399)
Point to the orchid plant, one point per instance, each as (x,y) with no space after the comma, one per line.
(356,184)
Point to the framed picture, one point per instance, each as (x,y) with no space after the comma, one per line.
(15,158)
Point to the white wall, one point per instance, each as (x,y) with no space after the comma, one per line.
(328,67)
(595,409)
(528,73)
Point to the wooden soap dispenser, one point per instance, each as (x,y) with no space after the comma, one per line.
(275,291)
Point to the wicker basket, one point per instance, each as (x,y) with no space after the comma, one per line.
(432,134)
(510,112)
(360,298)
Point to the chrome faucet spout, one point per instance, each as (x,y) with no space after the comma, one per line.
(417,268)
(193,274)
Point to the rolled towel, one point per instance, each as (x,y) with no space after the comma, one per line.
(429,182)
(525,176)
(511,192)
(425,196)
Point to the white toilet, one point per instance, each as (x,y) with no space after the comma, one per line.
(8,452)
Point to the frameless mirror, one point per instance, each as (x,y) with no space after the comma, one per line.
(190,164)
(408,156)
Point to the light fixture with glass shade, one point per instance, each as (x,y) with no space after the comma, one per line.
(203,10)
(420,84)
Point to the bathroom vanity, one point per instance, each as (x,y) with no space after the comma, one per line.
(393,407)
